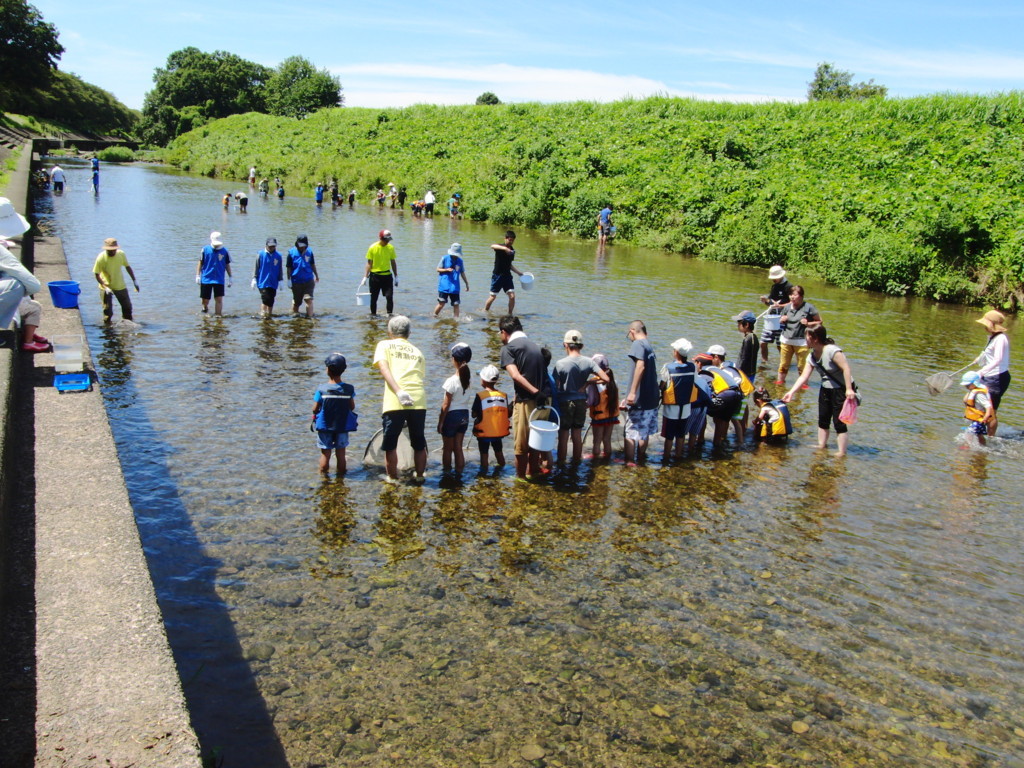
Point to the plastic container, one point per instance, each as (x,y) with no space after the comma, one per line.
(64,293)
(72,382)
(67,353)
(543,433)
(526,281)
(362,296)
(772,322)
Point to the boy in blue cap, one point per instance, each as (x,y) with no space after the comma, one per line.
(334,414)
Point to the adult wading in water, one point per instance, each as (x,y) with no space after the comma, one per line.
(995,360)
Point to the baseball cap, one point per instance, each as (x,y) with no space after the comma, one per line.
(384,234)
(336,360)
(272,241)
(489,373)
(746,315)
(971,377)
(573,337)
(461,352)
(701,357)
(301,240)
(716,349)
(682,346)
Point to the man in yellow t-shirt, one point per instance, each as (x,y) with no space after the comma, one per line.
(405,399)
(107,270)
(381,271)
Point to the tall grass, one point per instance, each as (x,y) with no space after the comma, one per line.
(905,195)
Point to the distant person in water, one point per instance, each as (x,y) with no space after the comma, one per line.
(501,276)
(212,271)
(252,176)
(604,225)
(351,198)
(95,180)
(381,271)
(107,271)
(302,275)
(57,178)
(243,201)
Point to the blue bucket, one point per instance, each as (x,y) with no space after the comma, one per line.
(64,293)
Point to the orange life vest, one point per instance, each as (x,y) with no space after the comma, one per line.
(493,414)
(971,411)
(605,409)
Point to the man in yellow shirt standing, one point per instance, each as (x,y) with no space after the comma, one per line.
(382,272)
(107,270)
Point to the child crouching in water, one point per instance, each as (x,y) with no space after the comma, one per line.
(334,414)
(978,408)
(490,411)
(772,423)
(453,421)
(604,409)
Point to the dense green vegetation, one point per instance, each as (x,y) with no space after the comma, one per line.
(197,87)
(913,195)
(29,49)
(76,105)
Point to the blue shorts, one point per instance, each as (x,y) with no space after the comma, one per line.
(695,421)
(446,297)
(455,423)
(501,283)
(327,440)
(977,428)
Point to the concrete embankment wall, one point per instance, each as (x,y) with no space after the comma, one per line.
(102,684)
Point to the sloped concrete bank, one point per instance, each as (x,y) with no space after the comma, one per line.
(88,656)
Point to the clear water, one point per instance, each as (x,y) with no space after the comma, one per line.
(771,607)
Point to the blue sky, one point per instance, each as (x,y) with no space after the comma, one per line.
(389,53)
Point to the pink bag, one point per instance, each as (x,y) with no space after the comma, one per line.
(849,413)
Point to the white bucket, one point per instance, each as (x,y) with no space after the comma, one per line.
(526,281)
(772,322)
(543,434)
(363,298)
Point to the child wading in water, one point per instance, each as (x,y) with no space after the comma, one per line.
(453,421)
(491,422)
(978,408)
(334,414)
(772,423)
(604,409)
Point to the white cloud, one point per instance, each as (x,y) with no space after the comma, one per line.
(396,85)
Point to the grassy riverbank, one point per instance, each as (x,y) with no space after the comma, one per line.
(903,196)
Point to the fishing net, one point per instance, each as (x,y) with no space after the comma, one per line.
(939,382)
(373,456)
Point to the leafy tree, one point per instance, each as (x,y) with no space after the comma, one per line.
(72,102)
(197,87)
(831,84)
(296,88)
(487,98)
(29,49)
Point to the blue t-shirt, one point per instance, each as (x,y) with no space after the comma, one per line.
(319,194)
(606,216)
(300,265)
(269,269)
(214,262)
(448,282)
(337,402)
(648,394)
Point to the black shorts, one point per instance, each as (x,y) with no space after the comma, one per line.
(443,298)
(830,403)
(394,421)
(211,290)
(724,404)
(267,296)
(301,290)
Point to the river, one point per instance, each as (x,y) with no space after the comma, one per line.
(772,606)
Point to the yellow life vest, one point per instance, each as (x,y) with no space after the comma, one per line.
(971,411)
(493,414)
(723,379)
(680,377)
(781,426)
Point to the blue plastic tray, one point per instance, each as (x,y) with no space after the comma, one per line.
(72,382)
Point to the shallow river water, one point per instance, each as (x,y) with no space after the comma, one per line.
(772,606)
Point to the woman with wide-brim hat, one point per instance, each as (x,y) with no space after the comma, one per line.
(995,359)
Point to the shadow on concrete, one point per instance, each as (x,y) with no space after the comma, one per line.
(227,711)
(18,578)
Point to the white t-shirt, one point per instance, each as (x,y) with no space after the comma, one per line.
(996,357)
(461,401)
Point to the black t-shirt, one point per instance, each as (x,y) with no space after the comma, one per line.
(503,261)
(527,357)
(779,292)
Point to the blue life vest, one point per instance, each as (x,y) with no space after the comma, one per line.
(336,414)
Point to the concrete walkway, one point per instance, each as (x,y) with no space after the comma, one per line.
(108,691)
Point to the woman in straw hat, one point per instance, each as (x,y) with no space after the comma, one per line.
(995,359)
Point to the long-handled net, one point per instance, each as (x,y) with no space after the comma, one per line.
(943,380)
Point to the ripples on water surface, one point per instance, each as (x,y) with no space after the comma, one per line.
(774,607)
